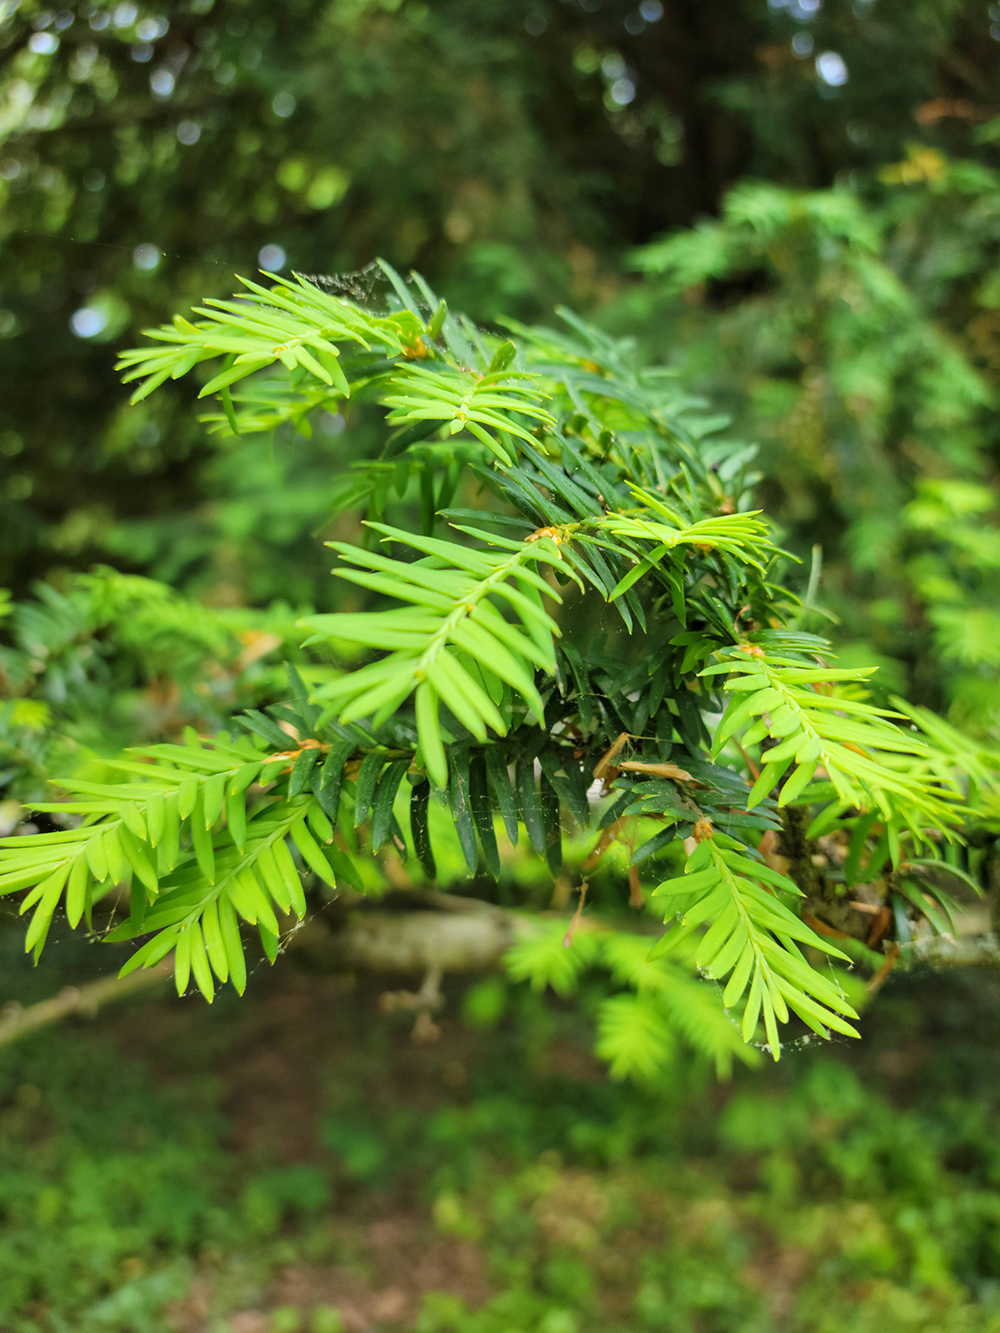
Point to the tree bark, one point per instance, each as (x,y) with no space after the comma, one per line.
(963,951)
(451,934)
(456,935)
(17,1021)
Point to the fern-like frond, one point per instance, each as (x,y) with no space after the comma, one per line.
(546,958)
(860,756)
(130,829)
(461,399)
(293,322)
(753,938)
(450,642)
(634,1036)
(949,751)
(178,833)
(663,532)
(196,916)
(692,1009)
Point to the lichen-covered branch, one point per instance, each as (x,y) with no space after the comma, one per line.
(961,951)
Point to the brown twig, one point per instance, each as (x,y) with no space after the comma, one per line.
(880,925)
(635,898)
(426,1001)
(821,928)
(882,975)
(577,915)
(603,843)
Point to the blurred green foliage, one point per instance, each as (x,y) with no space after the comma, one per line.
(819,1197)
(855,335)
(843,310)
(113,657)
(511,151)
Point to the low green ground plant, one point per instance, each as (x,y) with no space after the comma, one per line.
(137,1195)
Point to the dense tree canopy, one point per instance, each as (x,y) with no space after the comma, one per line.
(512,152)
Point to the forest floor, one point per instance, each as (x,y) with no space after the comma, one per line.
(294,1163)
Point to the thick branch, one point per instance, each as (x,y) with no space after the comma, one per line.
(414,943)
(462,935)
(965,951)
(16,1021)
